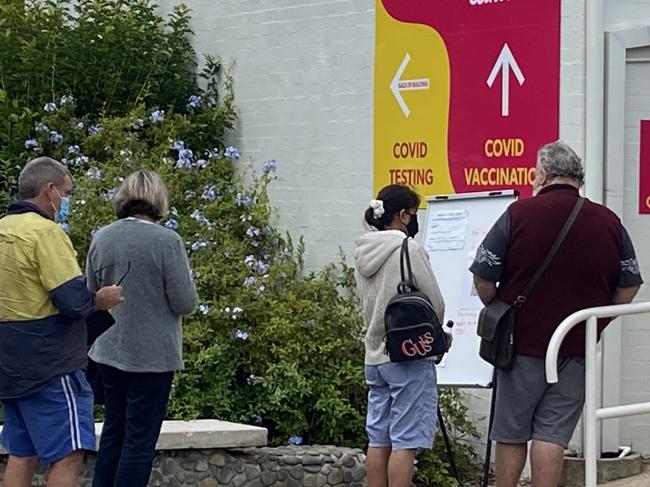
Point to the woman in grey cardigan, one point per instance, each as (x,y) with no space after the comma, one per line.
(136,357)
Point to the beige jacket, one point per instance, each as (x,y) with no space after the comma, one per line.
(377,272)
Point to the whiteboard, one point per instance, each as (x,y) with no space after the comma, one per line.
(455,226)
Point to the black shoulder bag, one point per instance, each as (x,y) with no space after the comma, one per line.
(496,322)
(413,331)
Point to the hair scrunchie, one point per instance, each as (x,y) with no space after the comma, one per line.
(377,208)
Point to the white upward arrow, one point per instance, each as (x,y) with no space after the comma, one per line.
(504,63)
(398,84)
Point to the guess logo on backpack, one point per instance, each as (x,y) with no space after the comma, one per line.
(420,348)
(413,330)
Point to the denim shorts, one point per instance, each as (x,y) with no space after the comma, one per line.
(402,404)
(51,423)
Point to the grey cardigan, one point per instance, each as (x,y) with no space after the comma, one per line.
(158,290)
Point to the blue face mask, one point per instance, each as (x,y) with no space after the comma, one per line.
(62,213)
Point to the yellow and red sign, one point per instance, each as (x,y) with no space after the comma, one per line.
(465,92)
(644,169)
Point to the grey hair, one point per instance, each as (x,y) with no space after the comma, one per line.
(39,172)
(559,160)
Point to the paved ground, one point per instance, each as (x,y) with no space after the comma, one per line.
(642,480)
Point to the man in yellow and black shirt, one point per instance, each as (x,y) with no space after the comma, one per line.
(47,403)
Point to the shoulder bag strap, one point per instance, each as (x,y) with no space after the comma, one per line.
(521,299)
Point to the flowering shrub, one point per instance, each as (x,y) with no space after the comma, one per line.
(267,344)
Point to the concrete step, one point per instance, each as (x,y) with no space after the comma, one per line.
(642,480)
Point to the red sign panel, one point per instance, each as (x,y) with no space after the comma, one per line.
(644,169)
(501,100)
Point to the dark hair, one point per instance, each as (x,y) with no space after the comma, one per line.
(138,207)
(395,197)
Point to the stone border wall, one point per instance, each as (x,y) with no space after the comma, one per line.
(287,466)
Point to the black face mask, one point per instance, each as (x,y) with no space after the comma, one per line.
(413,227)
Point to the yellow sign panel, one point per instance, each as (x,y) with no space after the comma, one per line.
(412,88)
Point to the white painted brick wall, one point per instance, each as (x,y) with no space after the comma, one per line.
(626,14)
(303,82)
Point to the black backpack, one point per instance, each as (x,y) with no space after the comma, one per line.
(413,330)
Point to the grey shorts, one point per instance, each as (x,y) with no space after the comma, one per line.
(527,407)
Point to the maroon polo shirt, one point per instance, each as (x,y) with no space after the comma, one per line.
(595,258)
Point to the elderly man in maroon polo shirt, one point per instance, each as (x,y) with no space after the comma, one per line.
(596,265)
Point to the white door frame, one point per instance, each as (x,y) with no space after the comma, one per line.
(616,45)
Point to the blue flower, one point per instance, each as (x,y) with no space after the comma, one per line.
(243,200)
(42,128)
(269,166)
(212,153)
(201,163)
(195,101)
(257,419)
(31,144)
(209,192)
(94,129)
(171,224)
(80,125)
(66,100)
(94,173)
(178,145)
(232,153)
(204,309)
(295,440)
(253,232)
(241,335)
(138,124)
(212,101)
(250,380)
(157,116)
(199,245)
(250,261)
(190,195)
(50,107)
(249,281)
(110,194)
(173,211)
(74,149)
(81,160)
(287,252)
(56,137)
(184,158)
(262,267)
(200,217)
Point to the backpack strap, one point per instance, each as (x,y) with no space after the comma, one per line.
(407,283)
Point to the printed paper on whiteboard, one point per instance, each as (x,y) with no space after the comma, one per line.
(469,298)
(447,230)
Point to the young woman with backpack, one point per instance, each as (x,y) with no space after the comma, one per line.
(403,396)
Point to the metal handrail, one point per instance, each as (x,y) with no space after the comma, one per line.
(592,414)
